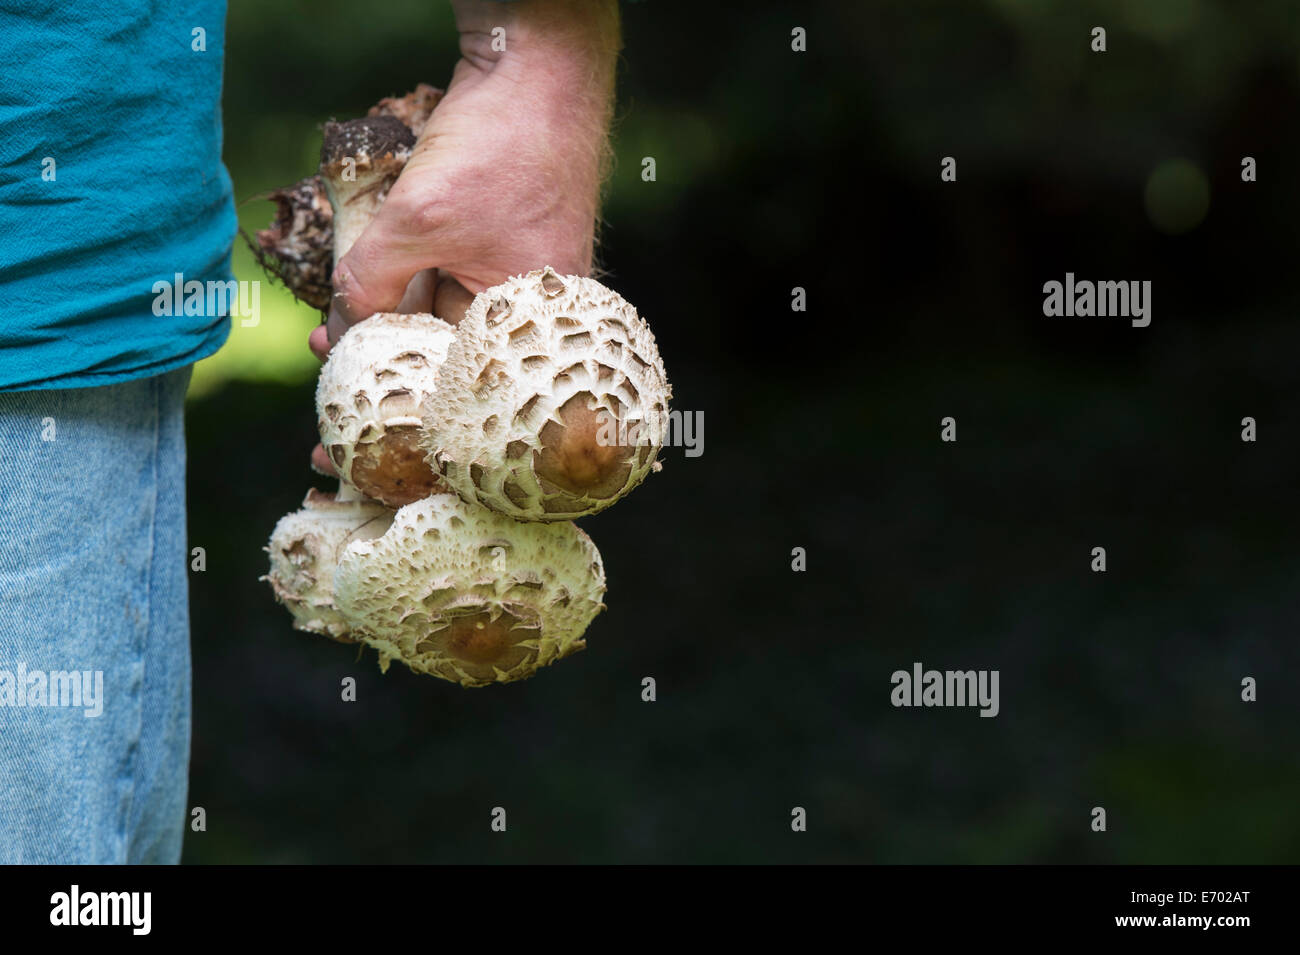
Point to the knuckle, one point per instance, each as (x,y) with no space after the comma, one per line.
(424,213)
(344,280)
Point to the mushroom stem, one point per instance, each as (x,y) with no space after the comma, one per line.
(347,492)
(359,162)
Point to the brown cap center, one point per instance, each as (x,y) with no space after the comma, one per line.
(581,453)
(393,469)
(481,645)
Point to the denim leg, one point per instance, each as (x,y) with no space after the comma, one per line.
(94,587)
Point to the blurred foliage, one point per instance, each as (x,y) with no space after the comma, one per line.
(820,170)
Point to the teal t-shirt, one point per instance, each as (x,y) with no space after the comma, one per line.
(111,186)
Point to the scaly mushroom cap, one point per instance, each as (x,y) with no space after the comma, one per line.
(552,402)
(305,548)
(359,162)
(458,592)
(368,402)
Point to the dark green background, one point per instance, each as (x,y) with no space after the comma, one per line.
(821,170)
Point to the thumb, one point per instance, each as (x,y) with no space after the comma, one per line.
(373,275)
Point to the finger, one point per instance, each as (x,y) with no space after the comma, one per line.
(417,298)
(419,293)
(319,342)
(321,463)
(451,300)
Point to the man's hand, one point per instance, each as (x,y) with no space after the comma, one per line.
(506,175)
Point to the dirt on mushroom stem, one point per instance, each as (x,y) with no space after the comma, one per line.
(296,247)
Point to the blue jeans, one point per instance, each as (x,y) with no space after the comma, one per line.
(94,623)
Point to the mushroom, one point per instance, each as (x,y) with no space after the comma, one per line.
(298,246)
(359,162)
(368,402)
(549,402)
(305,548)
(458,592)
(552,402)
